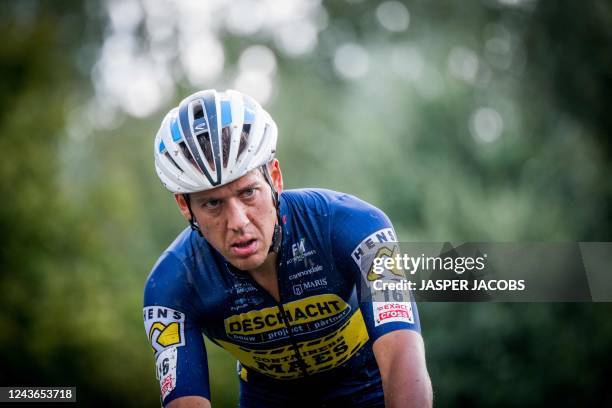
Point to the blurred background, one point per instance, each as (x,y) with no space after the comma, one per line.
(464,121)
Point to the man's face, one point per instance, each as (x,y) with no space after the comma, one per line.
(238,219)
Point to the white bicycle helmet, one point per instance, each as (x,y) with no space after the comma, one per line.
(211,139)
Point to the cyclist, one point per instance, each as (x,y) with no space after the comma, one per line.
(277,278)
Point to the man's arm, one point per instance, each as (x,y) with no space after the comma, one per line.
(189,402)
(361,233)
(173,331)
(400,356)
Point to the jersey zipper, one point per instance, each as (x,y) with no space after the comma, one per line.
(279,304)
(296,349)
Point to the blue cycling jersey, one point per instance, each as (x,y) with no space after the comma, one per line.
(315,344)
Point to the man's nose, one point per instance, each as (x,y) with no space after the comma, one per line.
(237,218)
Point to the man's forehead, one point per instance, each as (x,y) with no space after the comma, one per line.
(253,176)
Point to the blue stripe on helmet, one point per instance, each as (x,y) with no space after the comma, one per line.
(174,129)
(226,113)
(162,146)
(249,110)
(210,112)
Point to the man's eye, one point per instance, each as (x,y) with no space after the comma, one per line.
(249,192)
(211,204)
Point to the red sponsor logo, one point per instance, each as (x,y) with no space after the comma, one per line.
(394,310)
(167,384)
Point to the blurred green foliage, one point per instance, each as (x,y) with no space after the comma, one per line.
(83,217)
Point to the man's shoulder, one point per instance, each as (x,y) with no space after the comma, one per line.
(320,199)
(177,251)
(323,202)
(171,266)
(310,195)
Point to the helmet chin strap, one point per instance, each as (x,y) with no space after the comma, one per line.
(277,237)
(192,222)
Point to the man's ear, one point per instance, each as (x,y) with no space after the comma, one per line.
(182,203)
(276,175)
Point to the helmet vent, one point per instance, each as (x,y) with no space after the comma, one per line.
(198,112)
(187,154)
(226,135)
(244,138)
(172,160)
(263,139)
(205,145)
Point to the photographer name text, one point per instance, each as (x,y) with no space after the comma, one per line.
(452,285)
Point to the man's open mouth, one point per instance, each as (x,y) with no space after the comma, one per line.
(243,244)
(244,248)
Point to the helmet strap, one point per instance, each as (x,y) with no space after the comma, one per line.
(192,222)
(277,237)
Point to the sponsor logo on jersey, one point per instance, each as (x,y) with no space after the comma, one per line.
(166,371)
(299,248)
(299,252)
(380,244)
(384,252)
(387,312)
(316,355)
(309,285)
(242,302)
(165,327)
(244,287)
(387,307)
(369,243)
(301,316)
(309,271)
